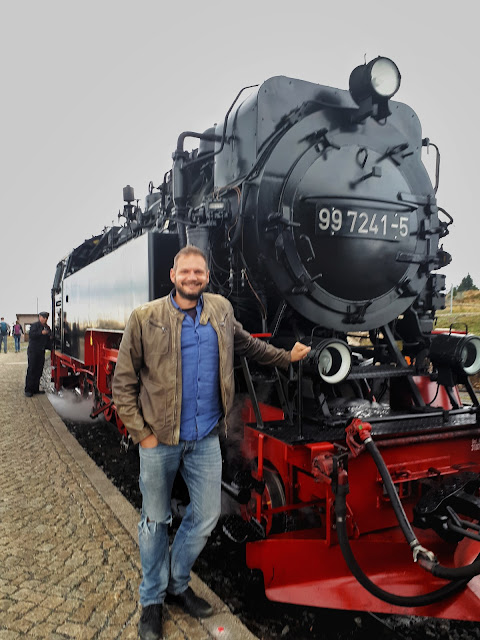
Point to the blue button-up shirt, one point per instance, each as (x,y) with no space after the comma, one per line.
(201,404)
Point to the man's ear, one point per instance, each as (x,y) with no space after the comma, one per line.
(172,275)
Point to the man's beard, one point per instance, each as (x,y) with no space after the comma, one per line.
(190,296)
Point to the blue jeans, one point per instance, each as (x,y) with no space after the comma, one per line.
(3,341)
(17,342)
(200,463)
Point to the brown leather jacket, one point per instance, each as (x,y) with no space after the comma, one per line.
(147,385)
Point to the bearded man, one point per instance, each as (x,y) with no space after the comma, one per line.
(174,388)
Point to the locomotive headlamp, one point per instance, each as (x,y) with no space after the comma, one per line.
(460,353)
(385,77)
(374,84)
(332,359)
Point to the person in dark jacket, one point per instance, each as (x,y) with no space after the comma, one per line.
(39,339)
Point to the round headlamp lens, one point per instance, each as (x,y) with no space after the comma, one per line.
(385,77)
(333,359)
(471,356)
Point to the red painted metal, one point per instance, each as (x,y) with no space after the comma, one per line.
(306,566)
(303,570)
(94,374)
(435,395)
(268,413)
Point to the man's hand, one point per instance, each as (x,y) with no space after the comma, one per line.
(299,352)
(150,442)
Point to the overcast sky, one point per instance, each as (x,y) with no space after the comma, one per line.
(95,93)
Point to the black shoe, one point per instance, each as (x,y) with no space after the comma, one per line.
(39,391)
(190,603)
(150,626)
(29,394)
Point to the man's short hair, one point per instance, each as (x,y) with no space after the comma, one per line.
(45,314)
(189,250)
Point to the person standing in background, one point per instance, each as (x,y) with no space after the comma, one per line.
(17,334)
(39,339)
(4,331)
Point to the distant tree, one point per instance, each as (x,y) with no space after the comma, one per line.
(466,284)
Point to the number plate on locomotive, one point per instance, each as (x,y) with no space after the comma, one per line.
(363,223)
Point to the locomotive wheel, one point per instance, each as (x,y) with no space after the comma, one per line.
(273,496)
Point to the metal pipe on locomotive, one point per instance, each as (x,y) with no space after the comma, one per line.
(321,224)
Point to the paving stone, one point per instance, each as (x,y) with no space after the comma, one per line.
(58,617)
(172,631)
(77,631)
(37,614)
(43,630)
(5,604)
(17,609)
(16,624)
(52,602)
(8,635)
(28,595)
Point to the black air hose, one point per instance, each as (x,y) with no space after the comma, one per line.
(467,572)
(401,601)
(392,493)
(425,558)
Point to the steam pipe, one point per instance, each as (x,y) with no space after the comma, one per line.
(210,137)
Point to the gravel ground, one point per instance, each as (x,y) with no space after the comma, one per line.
(221,564)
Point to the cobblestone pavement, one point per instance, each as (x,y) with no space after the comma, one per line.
(69,562)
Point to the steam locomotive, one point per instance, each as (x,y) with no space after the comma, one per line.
(356,473)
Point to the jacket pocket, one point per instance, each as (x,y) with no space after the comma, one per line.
(154,406)
(156,338)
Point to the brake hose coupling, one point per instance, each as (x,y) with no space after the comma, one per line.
(419,550)
(358,434)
